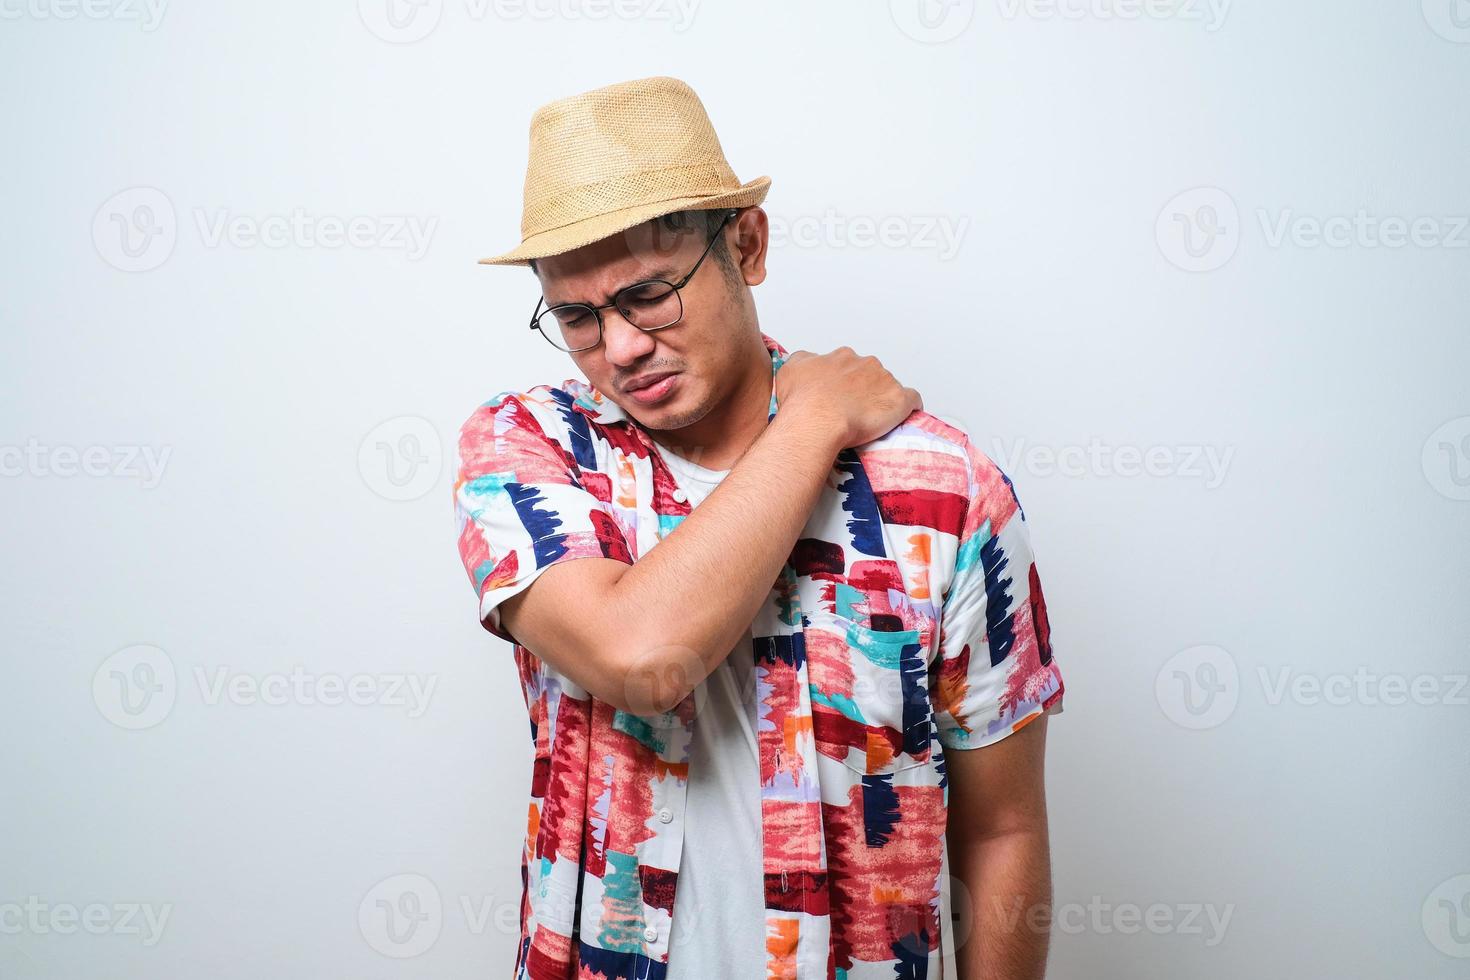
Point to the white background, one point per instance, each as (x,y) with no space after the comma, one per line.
(1131,192)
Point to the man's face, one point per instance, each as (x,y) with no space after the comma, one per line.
(690,363)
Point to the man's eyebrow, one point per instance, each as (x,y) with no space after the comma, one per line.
(665,272)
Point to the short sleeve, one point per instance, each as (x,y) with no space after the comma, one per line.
(522,504)
(994,670)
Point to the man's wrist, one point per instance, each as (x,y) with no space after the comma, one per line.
(813,428)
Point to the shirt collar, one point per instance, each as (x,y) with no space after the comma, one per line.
(604,411)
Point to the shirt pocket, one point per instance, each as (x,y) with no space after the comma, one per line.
(870,694)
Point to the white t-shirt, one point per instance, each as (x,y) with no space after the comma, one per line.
(719,901)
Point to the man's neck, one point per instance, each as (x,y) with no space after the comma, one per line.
(721,437)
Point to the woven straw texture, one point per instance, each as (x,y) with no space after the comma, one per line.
(606,160)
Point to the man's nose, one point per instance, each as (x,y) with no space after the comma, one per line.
(624,344)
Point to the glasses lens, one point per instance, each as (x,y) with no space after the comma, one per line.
(569,327)
(650,305)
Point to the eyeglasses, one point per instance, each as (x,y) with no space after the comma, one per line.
(649,305)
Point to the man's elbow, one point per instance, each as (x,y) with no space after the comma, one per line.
(648,676)
(578,619)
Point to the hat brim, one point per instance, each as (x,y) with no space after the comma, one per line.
(589,230)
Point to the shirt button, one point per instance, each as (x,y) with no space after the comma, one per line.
(680,495)
(665,815)
(650,934)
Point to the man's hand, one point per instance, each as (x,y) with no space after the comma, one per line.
(855,393)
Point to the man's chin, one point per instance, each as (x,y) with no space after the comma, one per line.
(669,416)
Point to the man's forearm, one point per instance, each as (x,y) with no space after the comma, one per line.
(690,599)
(1008,880)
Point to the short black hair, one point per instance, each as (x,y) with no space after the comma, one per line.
(697,219)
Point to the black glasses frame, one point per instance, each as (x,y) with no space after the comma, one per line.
(538,313)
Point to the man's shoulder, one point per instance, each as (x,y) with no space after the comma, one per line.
(545,407)
(923,448)
(570,422)
(930,470)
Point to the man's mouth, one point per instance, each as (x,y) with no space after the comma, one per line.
(647,381)
(654,389)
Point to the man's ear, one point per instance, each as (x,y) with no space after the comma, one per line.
(750,239)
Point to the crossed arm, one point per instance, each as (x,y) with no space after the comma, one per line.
(647,633)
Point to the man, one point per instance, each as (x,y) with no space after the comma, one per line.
(806,603)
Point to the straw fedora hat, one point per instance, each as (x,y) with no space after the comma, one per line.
(607,160)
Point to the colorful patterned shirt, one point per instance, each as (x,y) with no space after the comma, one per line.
(907,621)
